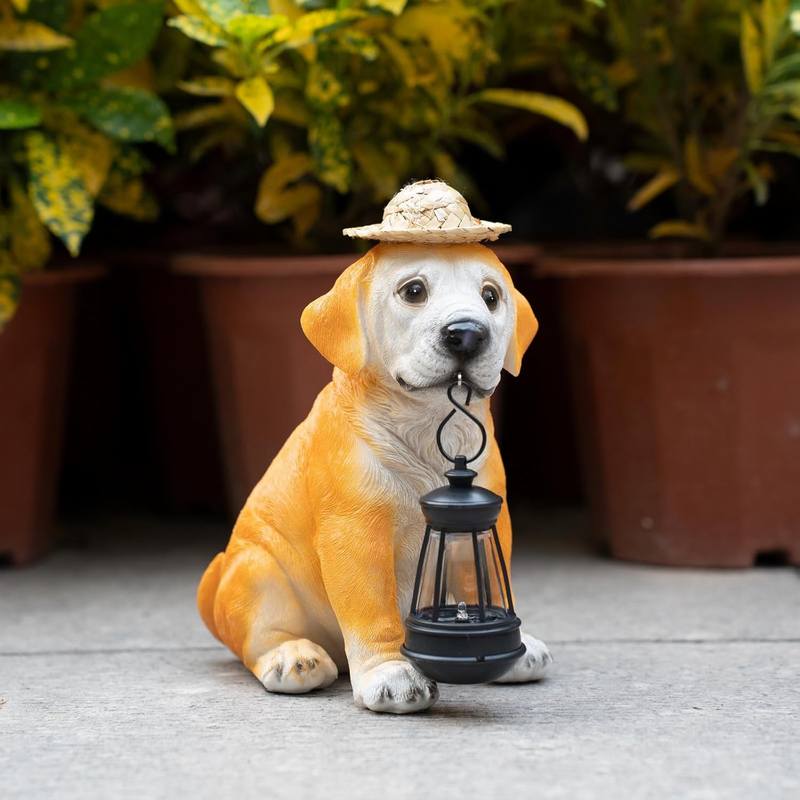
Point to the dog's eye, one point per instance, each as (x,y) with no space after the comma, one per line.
(414,292)
(490,296)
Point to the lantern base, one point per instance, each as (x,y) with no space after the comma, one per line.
(444,669)
(452,652)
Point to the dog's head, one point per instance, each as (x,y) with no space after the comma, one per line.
(420,314)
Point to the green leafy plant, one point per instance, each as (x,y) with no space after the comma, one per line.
(352,98)
(70,122)
(711,92)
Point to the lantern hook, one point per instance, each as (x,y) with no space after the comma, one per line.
(462,408)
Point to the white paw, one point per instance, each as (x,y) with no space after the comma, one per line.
(295,667)
(532,666)
(394,687)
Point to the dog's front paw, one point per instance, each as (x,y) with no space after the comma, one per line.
(532,666)
(295,667)
(394,687)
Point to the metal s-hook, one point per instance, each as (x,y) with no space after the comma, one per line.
(458,407)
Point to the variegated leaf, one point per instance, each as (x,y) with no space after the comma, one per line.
(331,156)
(108,41)
(57,190)
(221,11)
(126,114)
(199,29)
(323,88)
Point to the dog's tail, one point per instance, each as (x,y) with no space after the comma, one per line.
(207,592)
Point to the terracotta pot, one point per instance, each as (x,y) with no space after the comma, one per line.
(686,378)
(34,363)
(164,323)
(266,374)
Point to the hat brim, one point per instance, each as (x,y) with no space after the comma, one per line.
(486,231)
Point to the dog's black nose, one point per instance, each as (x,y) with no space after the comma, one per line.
(465,338)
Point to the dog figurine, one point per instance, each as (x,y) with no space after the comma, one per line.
(318,574)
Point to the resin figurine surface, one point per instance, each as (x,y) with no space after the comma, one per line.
(318,574)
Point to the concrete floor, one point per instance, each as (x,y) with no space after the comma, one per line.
(668,684)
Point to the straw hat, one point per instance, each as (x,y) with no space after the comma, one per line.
(429,212)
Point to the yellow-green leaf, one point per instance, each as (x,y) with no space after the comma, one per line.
(21,5)
(190,7)
(278,200)
(392,6)
(57,190)
(256,96)
(304,28)
(695,166)
(30,241)
(201,116)
(551,107)
(750,42)
(679,229)
(249,28)
(200,29)
(444,26)
(402,60)
(30,36)
(208,86)
(773,17)
(659,183)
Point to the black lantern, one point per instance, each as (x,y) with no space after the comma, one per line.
(462,627)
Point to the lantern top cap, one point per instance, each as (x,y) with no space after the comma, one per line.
(429,212)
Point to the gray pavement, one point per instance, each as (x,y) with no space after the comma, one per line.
(667,684)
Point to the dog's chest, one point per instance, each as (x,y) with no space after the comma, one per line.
(402,469)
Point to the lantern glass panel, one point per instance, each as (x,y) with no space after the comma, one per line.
(470,587)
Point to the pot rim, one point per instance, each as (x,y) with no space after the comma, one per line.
(64,275)
(585,265)
(233,265)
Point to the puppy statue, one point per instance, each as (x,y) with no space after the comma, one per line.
(318,574)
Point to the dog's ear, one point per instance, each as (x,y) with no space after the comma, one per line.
(333,323)
(524,331)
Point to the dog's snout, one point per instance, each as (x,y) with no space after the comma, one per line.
(465,338)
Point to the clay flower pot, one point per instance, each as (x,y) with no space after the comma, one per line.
(686,378)
(34,363)
(265,373)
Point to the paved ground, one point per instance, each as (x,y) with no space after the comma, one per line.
(669,684)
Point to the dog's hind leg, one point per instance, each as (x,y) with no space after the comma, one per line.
(259,615)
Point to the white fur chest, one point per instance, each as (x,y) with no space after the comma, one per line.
(403,463)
